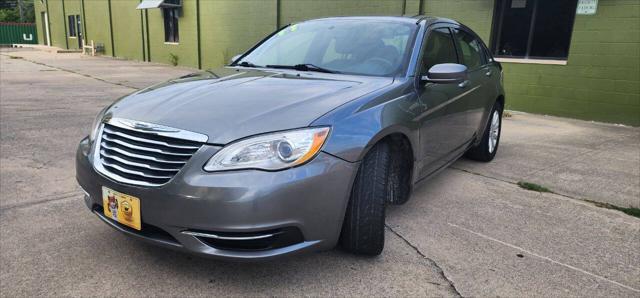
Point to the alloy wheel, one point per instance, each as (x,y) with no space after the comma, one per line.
(494,131)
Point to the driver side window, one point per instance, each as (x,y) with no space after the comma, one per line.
(470,48)
(439,48)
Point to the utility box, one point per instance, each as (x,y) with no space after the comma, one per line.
(20,33)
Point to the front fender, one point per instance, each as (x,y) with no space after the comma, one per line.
(360,124)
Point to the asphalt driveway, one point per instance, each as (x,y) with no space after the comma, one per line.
(470,231)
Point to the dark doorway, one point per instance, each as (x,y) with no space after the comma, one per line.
(79,30)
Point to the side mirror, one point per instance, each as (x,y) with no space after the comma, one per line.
(234,58)
(446,73)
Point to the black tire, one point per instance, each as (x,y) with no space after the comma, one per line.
(482,152)
(363,227)
(399,175)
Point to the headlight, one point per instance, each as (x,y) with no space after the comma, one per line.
(95,126)
(274,151)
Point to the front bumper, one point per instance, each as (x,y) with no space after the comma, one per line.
(310,199)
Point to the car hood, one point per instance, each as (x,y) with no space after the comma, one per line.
(231,103)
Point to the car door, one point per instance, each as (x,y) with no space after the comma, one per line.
(491,85)
(442,121)
(471,53)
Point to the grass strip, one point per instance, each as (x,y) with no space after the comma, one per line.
(533,187)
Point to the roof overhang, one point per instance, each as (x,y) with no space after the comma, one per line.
(147,4)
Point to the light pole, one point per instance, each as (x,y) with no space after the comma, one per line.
(20,11)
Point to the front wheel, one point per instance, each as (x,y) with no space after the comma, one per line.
(486,150)
(363,227)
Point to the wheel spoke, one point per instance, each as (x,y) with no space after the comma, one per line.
(494,131)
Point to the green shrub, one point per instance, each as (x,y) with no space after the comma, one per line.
(173,58)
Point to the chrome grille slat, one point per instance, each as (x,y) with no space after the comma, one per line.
(161,143)
(135,164)
(132,172)
(128,153)
(134,156)
(106,138)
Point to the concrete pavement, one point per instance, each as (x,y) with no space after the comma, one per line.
(495,239)
(580,159)
(468,231)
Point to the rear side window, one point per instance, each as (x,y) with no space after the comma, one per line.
(439,48)
(471,49)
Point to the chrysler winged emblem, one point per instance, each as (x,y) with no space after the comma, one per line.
(139,125)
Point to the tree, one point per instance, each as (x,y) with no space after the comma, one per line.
(28,11)
(23,12)
(9,15)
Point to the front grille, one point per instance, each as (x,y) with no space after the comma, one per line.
(143,158)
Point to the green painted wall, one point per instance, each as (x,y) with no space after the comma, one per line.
(57,24)
(97,22)
(601,80)
(59,11)
(72,7)
(39,7)
(477,14)
(412,7)
(230,27)
(186,49)
(127,29)
(299,10)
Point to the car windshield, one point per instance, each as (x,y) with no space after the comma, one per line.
(369,47)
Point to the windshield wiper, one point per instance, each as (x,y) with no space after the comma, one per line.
(247,64)
(304,67)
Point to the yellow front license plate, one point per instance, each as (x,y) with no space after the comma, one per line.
(122,208)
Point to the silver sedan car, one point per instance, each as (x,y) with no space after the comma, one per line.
(298,144)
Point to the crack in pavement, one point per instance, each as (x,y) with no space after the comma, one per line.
(59,197)
(576,199)
(482,175)
(75,72)
(431,261)
(543,257)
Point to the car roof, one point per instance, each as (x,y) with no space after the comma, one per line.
(414,19)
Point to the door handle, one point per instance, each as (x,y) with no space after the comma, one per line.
(464,84)
(489,73)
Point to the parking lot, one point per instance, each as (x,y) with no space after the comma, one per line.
(469,231)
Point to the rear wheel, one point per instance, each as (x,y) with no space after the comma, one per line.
(486,150)
(363,227)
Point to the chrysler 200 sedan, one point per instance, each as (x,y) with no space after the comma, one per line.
(298,144)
